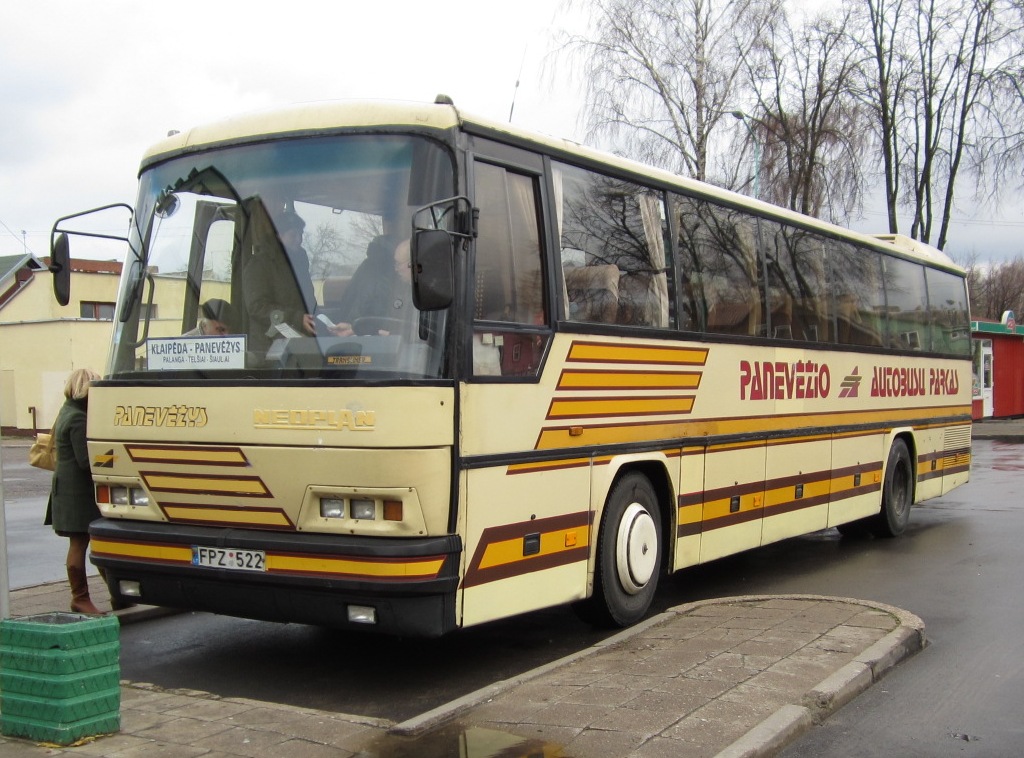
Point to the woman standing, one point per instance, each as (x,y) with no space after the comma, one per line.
(72,504)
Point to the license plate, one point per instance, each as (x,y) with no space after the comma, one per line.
(229,558)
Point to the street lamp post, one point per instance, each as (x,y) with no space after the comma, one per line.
(741,116)
(5,584)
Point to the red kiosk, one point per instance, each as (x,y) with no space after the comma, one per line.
(998,368)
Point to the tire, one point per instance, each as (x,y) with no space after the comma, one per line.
(629,555)
(897,493)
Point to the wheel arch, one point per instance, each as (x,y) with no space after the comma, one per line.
(656,470)
(909,438)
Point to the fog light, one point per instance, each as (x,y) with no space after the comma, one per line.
(364,510)
(119,495)
(138,496)
(332,507)
(129,588)
(362,614)
(392,510)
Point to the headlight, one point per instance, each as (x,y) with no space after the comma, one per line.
(332,507)
(364,510)
(107,494)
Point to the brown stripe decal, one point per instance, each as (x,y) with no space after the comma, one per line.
(604,407)
(205,484)
(840,483)
(500,553)
(613,352)
(606,380)
(187,455)
(221,515)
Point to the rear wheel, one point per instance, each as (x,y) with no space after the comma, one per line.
(629,554)
(897,493)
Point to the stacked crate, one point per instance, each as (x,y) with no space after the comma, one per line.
(59,677)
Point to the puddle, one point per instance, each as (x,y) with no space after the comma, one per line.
(456,741)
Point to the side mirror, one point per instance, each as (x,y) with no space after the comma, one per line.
(433,276)
(60,253)
(60,267)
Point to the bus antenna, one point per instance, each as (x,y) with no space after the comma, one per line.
(515,89)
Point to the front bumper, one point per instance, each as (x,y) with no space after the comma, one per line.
(309,578)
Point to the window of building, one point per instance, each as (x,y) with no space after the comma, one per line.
(98,311)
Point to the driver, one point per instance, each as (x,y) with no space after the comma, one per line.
(380,289)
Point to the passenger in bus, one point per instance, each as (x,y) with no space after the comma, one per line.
(380,293)
(72,505)
(216,318)
(278,287)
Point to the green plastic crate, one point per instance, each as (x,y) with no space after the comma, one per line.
(60,631)
(57,661)
(59,677)
(67,710)
(60,734)
(61,686)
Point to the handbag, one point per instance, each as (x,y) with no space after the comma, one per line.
(43,453)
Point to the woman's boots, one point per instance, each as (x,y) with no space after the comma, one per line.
(80,600)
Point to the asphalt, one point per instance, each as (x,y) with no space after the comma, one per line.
(736,677)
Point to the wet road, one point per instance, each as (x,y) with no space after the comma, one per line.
(960,571)
(957,568)
(35,554)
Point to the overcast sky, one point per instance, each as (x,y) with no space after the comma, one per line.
(86,87)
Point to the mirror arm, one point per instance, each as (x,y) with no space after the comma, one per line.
(56,224)
(57,230)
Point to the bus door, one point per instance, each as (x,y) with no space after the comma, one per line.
(985,369)
(526,508)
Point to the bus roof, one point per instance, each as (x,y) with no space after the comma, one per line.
(316,117)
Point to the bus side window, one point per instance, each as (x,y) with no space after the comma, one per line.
(797,288)
(614,256)
(906,305)
(508,292)
(719,268)
(948,313)
(856,282)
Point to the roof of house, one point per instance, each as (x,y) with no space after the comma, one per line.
(9,264)
(88,266)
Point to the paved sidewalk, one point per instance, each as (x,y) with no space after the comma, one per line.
(737,677)
(1005,429)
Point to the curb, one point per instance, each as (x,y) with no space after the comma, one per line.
(772,734)
(832,693)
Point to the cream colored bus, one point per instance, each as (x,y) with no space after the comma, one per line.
(393,366)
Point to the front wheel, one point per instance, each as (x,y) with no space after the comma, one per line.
(897,493)
(629,554)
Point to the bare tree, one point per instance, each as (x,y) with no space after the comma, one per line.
(661,74)
(939,70)
(810,125)
(996,288)
(325,246)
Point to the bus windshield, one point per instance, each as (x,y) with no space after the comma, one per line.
(283,259)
